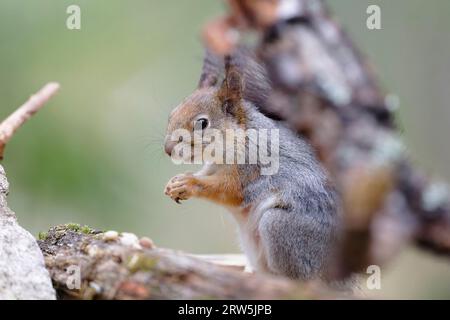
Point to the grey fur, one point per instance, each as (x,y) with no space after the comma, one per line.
(298,231)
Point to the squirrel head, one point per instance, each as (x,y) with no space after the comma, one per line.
(210,106)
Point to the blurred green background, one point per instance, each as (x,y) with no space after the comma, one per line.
(94,154)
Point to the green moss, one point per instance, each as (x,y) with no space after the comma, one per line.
(78,228)
(42,235)
(73,226)
(86,230)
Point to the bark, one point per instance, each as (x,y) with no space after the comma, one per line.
(121,267)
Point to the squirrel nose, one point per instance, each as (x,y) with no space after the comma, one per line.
(168,146)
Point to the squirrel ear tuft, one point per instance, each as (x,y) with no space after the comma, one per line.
(232,86)
(212,65)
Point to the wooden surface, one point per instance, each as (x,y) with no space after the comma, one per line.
(120,267)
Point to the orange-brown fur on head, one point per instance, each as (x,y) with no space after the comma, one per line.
(201,102)
(221,106)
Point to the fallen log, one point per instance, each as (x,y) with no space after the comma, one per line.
(89,264)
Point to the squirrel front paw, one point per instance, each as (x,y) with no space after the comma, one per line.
(181,187)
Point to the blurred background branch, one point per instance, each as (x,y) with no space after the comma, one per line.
(325,89)
(24,112)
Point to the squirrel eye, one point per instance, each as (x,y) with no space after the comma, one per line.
(202,123)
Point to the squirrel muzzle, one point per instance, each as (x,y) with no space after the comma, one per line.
(169,145)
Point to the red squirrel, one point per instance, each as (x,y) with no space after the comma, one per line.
(288,220)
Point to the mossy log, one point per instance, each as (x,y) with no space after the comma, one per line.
(119,266)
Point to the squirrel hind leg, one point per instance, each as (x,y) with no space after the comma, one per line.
(294,245)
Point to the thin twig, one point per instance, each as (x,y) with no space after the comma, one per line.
(10,125)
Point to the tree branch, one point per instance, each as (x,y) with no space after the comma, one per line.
(119,267)
(10,125)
